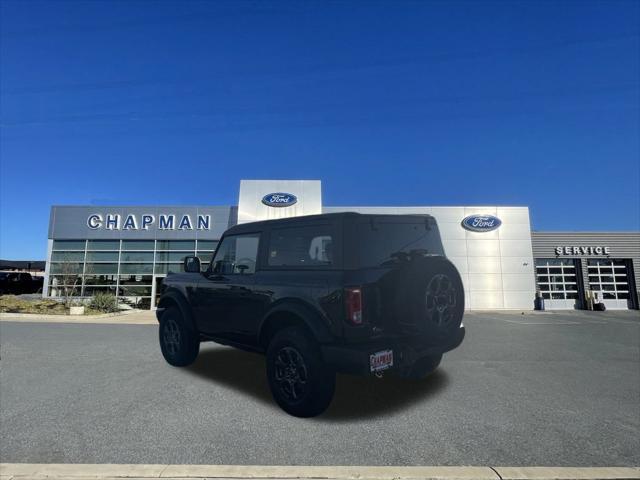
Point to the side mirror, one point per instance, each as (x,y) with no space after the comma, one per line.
(192,264)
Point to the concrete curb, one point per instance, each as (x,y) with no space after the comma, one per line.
(24,471)
(131,317)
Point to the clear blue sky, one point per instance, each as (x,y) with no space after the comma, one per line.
(388,103)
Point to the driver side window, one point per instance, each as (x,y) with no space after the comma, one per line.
(237,255)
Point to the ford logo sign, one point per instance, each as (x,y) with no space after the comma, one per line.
(481,223)
(279,199)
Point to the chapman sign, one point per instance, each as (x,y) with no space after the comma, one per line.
(146,221)
(588,250)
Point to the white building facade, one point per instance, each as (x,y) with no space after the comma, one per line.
(127,251)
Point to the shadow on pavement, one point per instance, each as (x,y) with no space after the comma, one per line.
(355,398)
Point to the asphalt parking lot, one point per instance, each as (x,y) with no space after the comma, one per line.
(534,389)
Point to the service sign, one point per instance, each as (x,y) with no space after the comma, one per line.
(279,199)
(583,250)
(481,223)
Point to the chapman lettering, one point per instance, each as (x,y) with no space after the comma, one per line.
(112,221)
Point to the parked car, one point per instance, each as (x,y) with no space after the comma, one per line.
(320,294)
(18,283)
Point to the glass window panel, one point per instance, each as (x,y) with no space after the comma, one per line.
(609,295)
(622,263)
(570,279)
(101,268)
(594,286)
(608,271)
(102,256)
(131,291)
(621,278)
(207,244)
(594,278)
(546,295)
(100,279)
(136,279)
(55,280)
(136,257)
(68,244)
(556,278)
(103,245)
(63,291)
(557,296)
(176,245)
(90,291)
(66,268)
(543,278)
(171,256)
(205,258)
(557,287)
(555,270)
(623,295)
(544,287)
(237,255)
(312,246)
(552,261)
(608,287)
(138,244)
(136,268)
(606,278)
(169,267)
(67,256)
(572,295)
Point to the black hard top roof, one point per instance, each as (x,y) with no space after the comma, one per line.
(304,219)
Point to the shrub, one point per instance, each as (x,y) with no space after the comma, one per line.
(104,302)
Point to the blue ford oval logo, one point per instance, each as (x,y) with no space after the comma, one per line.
(279,199)
(481,223)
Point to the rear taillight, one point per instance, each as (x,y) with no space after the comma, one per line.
(353,300)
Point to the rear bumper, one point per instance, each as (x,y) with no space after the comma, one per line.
(354,359)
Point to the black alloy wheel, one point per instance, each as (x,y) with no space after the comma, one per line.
(300,382)
(179,344)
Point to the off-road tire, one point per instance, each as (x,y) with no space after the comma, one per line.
(300,382)
(179,344)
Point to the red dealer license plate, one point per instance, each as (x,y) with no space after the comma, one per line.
(381,360)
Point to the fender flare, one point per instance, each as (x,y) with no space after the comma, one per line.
(309,315)
(176,297)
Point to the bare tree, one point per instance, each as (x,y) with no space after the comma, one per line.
(68,271)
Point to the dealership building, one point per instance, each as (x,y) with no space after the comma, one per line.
(127,251)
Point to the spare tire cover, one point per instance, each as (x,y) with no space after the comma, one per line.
(429,297)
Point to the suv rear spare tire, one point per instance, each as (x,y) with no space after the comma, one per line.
(300,382)
(429,297)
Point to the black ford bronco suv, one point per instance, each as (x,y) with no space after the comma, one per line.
(320,294)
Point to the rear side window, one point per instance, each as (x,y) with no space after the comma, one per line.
(385,243)
(310,246)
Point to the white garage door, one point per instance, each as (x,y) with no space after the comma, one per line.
(557,281)
(610,280)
